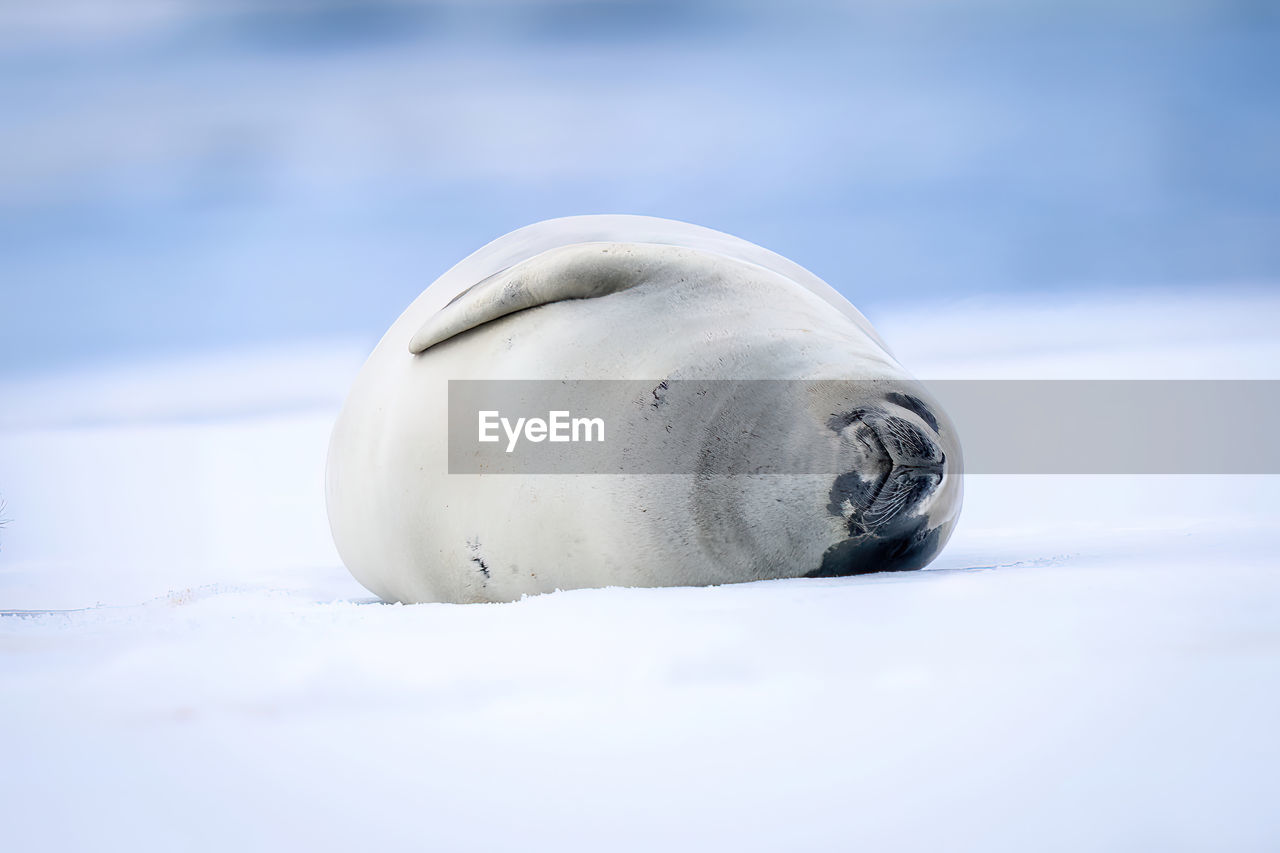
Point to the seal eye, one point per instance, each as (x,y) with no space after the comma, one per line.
(908,444)
(913,404)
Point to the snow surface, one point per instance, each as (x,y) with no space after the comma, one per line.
(1093,663)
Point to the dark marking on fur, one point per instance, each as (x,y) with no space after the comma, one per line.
(902,550)
(473,545)
(858,492)
(660,394)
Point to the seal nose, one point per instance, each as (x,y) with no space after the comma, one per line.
(895,466)
(916,465)
(897,475)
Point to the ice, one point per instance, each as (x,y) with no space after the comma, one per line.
(1092,663)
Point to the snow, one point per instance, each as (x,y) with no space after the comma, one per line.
(1092,663)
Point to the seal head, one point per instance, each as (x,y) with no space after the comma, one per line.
(901,496)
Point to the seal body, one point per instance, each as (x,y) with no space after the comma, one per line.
(637,298)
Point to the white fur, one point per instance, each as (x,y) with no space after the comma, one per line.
(717,307)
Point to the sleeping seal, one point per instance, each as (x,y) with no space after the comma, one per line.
(801,448)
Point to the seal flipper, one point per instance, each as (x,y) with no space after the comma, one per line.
(580,271)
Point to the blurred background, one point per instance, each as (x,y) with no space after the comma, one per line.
(204,175)
(211,210)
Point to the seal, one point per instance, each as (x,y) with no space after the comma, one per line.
(864,468)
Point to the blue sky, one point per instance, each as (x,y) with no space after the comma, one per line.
(206,175)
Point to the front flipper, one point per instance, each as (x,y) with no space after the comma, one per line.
(580,271)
